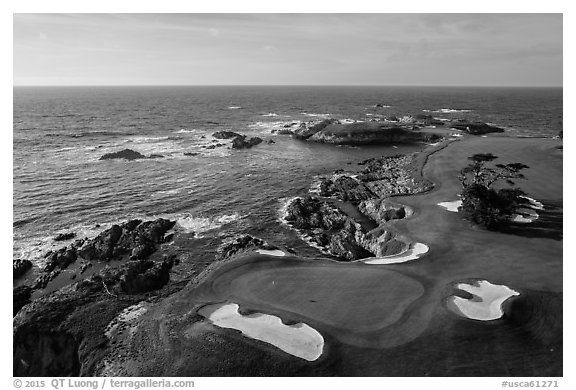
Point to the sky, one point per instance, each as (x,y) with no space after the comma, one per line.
(288,49)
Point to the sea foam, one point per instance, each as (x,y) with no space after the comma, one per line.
(199,225)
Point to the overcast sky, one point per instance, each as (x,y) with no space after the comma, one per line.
(326,49)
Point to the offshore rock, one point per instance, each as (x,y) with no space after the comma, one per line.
(126,154)
(476,128)
(226,135)
(244,143)
(369,133)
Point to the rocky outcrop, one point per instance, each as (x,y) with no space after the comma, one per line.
(134,238)
(239,141)
(305,131)
(243,142)
(382,241)
(63,333)
(338,234)
(347,242)
(345,188)
(476,128)
(102,247)
(226,135)
(382,210)
(65,236)
(380,178)
(20,267)
(242,244)
(392,175)
(61,258)
(369,133)
(125,154)
(327,226)
(428,120)
(20,297)
(145,275)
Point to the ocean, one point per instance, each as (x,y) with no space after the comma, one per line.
(59,134)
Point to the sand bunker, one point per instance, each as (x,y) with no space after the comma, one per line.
(451,206)
(414,252)
(299,340)
(525,215)
(534,204)
(486,303)
(271,252)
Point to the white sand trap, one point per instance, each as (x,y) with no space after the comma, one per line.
(273,252)
(299,340)
(451,206)
(525,215)
(456,135)
(487,302)
(534,204)
(414,252)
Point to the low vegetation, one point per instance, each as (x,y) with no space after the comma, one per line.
(489,195)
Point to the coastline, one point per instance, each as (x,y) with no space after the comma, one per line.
(419,315)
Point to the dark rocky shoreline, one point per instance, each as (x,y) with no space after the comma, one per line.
(366,194)
(61,333)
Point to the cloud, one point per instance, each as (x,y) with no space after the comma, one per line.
(43,36)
